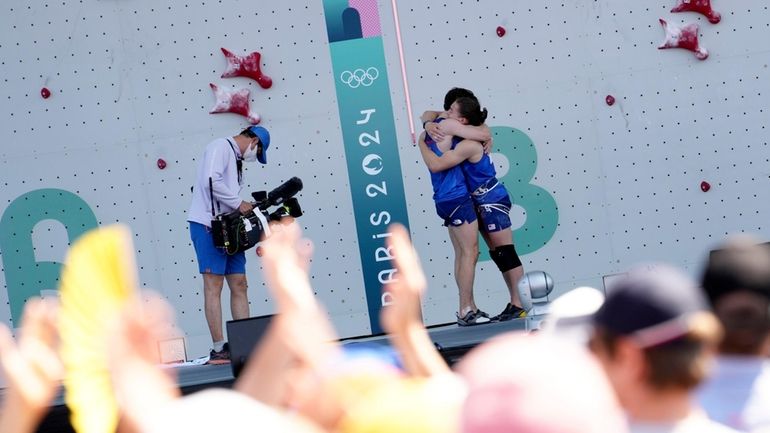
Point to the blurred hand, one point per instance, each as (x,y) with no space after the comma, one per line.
(296,348)
(301,320)
(141,387)
(404,310)
(402,319)
(32,367)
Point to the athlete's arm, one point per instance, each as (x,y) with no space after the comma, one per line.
(464,150)
(425,150)
(429,116)
(453,127)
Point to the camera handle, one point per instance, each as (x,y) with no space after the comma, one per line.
(262,220)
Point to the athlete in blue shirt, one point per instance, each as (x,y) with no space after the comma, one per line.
(490,198)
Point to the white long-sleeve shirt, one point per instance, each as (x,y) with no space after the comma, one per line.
(219,164)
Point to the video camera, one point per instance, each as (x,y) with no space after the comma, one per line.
(235,232)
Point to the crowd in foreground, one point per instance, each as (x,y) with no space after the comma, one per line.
(662,353)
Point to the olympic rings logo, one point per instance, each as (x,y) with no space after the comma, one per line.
(360,77)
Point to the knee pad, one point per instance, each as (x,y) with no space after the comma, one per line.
(505,257)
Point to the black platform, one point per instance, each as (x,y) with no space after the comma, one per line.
(451,340)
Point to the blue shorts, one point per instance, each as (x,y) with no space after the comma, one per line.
(456,212)
(213,260)
(494,209)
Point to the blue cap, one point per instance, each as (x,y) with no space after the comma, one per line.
(264,138)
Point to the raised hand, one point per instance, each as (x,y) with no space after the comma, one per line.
(404,310)
(402,319)
(299,336)
(32,367)
(142,388)
(286,262)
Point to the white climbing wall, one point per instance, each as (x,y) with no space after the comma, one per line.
(597,187)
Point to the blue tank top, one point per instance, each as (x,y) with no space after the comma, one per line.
(448,184)
(482,181)
(479,173)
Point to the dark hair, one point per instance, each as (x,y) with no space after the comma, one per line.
(453,94)
(248,133)
(737,282)
(470,109)
(741,264)
(679,364)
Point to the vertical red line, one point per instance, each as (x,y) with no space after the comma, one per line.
(403,70)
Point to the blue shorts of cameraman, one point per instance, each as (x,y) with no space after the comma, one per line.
(213,260)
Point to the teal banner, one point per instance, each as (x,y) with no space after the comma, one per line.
(371,148)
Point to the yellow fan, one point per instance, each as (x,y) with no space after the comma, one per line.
(98,278)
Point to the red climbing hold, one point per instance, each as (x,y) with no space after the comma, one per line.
(45,93)
(683,37)
(610,100)
(161,163)
(233,101)
(500,31)
(247,66)
(702,7)
(705,186)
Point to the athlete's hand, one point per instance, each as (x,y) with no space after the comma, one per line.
(434,130)
(245,207)
(428,116)
(488,145)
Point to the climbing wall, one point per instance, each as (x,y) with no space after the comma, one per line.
(614,151)
(649,154)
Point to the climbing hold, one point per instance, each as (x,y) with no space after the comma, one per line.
(702,7)
(247,66)
(683,37)
(233,101)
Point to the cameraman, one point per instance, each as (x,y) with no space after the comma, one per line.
(216,190)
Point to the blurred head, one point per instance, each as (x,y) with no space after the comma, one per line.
(736,280)
(405,405)
(349,378)
(234,411)
(536,384)
(570,315)
(654,331)
(453,94)
(467,110)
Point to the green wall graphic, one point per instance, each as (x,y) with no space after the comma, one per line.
(540,206)
(25,277)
